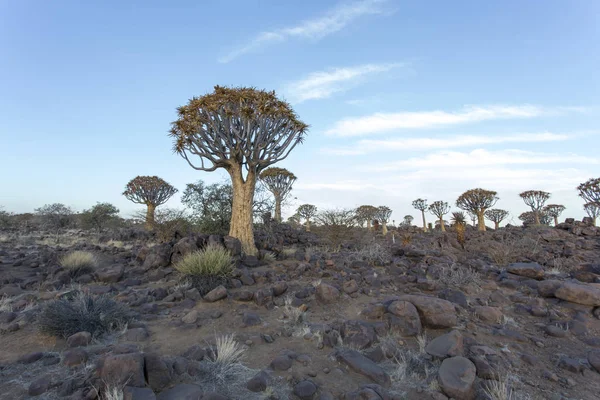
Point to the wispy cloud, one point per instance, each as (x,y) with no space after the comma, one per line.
(316,28)
(366,146)
(323,84)
(385,122)
(480,158)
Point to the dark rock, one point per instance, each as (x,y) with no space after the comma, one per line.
(258,383)
(433,312)
(158,373)
(158,256)
(362,365)
(216,294)
(529,270)
(79,339)
(448,345)
(404,319)
(123,369)
(135,393)
(183,391)
(74,357)
(282,363)
(305,389)
(39,386)
(326,293)
(358,334)
(456,377)
(251,319)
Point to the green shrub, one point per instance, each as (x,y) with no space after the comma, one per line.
(212,261)
(78,263)
(82,312)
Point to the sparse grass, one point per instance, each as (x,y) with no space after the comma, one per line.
(421,342)
(5,304)
(227,360)
(181,286)
(316,283)
(293,315)
(289,251)
(374,253)
(112,393)
(210,261)
(268,256)
(82,312)
(79,263)
(409,368)
(459,275)
(499,389)
(508,321)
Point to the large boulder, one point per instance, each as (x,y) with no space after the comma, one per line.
(457,377)
(448,345)
(158,256)
(184,247)
(587,295)
(157,371)
(434,312)
(404,318)
(358,334)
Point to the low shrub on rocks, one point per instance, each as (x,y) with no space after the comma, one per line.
(82,312)
(78,263)
(208,268)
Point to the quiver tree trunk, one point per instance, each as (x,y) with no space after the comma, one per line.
(481,220)
(537,217)
(150,216)
(307,225)
(368,224)
(442,227)
(496,225)
(278,209)
(424,223)
(241,211)
(384,229)
(556,221)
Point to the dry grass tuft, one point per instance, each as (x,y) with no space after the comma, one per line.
(226,363)
(211,261)
(268,256)
(460,275)
(499,389)
(79,263)
(5,304)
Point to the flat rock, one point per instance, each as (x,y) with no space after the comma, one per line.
(448,345)
(530,270)
(456,377)
(489,314)
(216,294)
(434,312)
(362,365)
(587,295)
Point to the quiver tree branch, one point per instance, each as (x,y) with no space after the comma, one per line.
(242,130)
(593,211)
(477,201)
(383,215)
(307,211)
(439,209)
(151,191)
(366,214)
(279,181)
(535,199)
(554,211)
(496,215)
(421,204)
(590,191)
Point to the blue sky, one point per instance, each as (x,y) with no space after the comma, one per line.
(405,99)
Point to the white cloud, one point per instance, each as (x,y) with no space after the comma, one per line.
(323,84)
(316,28)
(480,157)
(385,122)
(369,145)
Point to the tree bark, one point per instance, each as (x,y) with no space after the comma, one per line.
(368,224)
(442,227)
(384,230)
(278,209)
(555,220)
(241,211)
(307,225)
(150,217)
(537,217)
(481,220)
(594,220)
(496,225)
(424,223)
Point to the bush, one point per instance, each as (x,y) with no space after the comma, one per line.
(82,312)
(78,263)
(212,261)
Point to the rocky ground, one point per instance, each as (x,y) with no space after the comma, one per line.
(514,315)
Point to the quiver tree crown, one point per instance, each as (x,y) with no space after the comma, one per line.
(149,190)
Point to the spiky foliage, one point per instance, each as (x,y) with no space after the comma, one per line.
(496,215)
(383,216)
(366,214)
(99,216)
(307,211)
(421,205)
(242,130)
(535,199)
(459,221)
(439,209)
(477,201)
(590,190)
(279,181)
(529,218)
(592,210)
(554,211)
(151,191)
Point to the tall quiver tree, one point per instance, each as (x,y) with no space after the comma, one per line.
(307,211)
(477,201)
(383,215)
(151,191)
(421,204)
(366,214)
(554,211)
(593,211)
(244,131)
(439,209)
(496,215)
(279,181)
(590,191)
(535,199)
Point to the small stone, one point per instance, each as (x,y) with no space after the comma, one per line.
(74,357)
(305,389)
(79,339)
(251,319)
(326,293)
(282,363)
(191,317)
(216,294)
(258,383)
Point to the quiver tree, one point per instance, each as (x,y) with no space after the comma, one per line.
(421,204)
(307,211)
(590,191)
(477,201)
(408,219)
(244,131)
(554,211)
(535,199)
(151,191)
(592,210)
(279,181)
(473,217)
(529,218)
(439,209)
(366,214)
(496,215)
(383,216)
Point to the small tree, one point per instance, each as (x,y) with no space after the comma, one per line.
(554,211)
(279,181)
(529,218)
(99,216)
(459,221)
(439,209)
(337,225)
(496,215)
(473,217)
(408,219)
(590,190)
(244,131)
(55,217)
(5,219)
(592,210)
(366,214)
(307,211)
(151,191)
(535,199)
(477,201)
(421,204)
(383,216)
